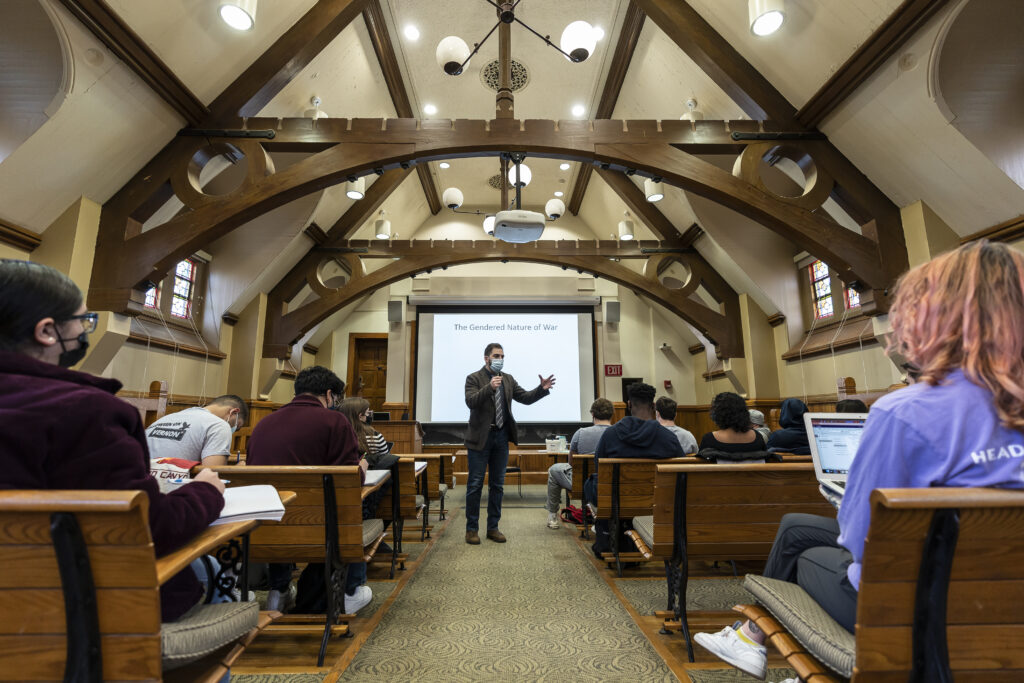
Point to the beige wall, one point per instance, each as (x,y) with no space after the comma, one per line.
(8,251)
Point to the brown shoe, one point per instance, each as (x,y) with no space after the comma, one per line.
(496,536)
(472,538)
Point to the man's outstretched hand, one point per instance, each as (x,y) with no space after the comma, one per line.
(546,384)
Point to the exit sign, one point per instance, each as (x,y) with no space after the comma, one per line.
(613,370)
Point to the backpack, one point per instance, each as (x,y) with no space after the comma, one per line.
(574,515)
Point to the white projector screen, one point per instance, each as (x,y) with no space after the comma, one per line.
(450,345)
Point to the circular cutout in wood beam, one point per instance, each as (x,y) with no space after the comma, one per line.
(332,274)
(817,184)
(673,272)
(219,169)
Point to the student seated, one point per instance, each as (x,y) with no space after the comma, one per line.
(61,429)
(583,441)
(734,439)
(792,437)
(372,444)
(959,320)
(199,434)
(666,411)
(305,432)
(851,405)
(757,424)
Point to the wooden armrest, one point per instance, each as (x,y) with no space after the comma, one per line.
(423,456)
(71,501)
(947,497)
(172,563)
(287,497)
(738,467)
(368,489)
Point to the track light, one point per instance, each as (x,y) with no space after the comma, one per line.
(653,190)
(238,14)
(626,231)
(355,189)
(766,16)
(382,227)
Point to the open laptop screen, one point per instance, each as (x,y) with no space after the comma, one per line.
(835,439)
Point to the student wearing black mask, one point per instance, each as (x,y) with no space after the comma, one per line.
(62,429)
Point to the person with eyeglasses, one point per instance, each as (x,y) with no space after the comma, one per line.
(62,429)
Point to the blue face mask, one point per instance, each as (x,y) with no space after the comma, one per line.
(497,364)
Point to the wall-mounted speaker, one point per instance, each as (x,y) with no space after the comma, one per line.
(612,312)
(395,311)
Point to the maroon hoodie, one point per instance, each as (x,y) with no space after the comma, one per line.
(62,429)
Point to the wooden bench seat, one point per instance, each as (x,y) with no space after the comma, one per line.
(410,503)
(722,511)
(942,584)
(80,593)
(324,525)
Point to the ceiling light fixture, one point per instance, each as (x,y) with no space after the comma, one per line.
(382,227)
(578,110)
(766,16)
(429,109)
(316,112)
(653,190)
(411,32)
(445,164)
(520,175)
(626,231)
(693,114)
(489,224)
(238,14)
(559,194)
(355,188)
(554,208)
(598,33)
(452,198)
(563,167)
(577,42)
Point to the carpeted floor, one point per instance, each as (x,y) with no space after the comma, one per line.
(735,676)
(648,596)
(530,609)
(277,678)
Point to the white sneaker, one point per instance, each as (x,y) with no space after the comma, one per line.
(727,646)
(552,521)
(281,602)
(360,599)
(791,680)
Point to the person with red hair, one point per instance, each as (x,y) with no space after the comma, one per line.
(958,320)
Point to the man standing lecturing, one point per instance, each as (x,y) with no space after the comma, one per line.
(489,395)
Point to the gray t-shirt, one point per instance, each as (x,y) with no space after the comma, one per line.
(191,434)
(585,439)
(686,439)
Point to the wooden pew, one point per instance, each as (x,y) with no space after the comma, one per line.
(411,503)
(722,512)
(324,524)
(940,597)
(438,477)
(79,596)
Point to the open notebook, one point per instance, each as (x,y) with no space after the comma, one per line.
(243,503)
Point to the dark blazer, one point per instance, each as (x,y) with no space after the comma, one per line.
(480,399)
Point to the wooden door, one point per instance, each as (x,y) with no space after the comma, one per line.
(372,370)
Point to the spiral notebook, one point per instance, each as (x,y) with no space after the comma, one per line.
(243,503)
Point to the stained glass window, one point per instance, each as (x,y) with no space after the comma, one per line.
(852,298)
(821,287)
(184,284)
(152,297)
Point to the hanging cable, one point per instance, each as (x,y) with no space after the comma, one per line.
(206,359)
(864,362)
(832,348)
(800,357)
(177,347)
(149,338)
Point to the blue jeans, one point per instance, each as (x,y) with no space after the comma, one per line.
(492,459)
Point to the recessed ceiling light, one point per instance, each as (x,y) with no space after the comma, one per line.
(559,194)
(563,167)
(598,33)
(429,109)
(578,110)
(445,164)
(238,14)
(411,32)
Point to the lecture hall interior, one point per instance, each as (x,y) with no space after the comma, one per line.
(706,197)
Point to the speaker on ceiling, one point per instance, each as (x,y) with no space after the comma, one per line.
(612,312)
(395,311)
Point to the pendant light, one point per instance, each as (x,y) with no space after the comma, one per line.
(766,16)
(238,14)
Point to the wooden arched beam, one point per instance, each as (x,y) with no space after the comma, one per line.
(363,146)
(722,327)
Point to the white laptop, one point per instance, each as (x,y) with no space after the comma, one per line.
(834,438)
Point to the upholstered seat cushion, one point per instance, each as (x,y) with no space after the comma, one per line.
(443,488)
(645,527)
(811,625)
(205,629)
(372,529)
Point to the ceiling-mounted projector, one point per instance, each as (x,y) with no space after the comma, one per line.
(518,226)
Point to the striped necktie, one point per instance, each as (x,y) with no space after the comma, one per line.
(499,407)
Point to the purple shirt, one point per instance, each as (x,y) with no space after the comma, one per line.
(923,436)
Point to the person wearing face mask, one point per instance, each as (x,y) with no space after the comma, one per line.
(489,395)
(198,434)
(61,429)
